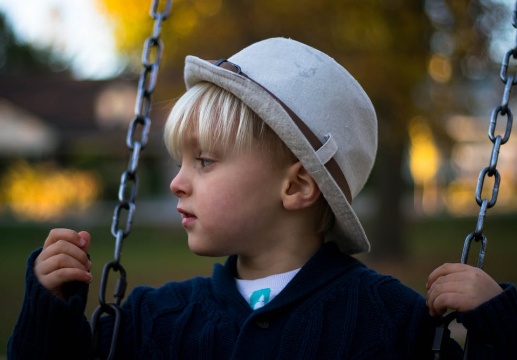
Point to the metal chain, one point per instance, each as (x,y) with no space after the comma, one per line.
(136,140)
(497,140)
(503,110)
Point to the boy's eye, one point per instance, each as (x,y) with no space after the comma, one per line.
(205,161)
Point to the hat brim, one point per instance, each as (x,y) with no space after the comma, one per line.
(347,231)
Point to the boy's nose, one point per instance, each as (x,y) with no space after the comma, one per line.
(179,185)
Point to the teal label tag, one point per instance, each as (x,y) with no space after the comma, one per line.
(259,298)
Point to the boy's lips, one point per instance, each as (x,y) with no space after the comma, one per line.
(186,217)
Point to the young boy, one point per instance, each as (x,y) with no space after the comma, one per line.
(273,145)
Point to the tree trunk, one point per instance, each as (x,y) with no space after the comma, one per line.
(387,234)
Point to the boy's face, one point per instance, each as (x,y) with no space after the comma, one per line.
(229,203)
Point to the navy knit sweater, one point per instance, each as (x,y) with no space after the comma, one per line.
(334,308)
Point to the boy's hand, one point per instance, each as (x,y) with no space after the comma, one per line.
(64,259)
(459,287)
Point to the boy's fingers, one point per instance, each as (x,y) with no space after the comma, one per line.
(458,280)
(56,279)
(60,261)
(65,248)
(87,238)
(67,235)
(443,295)
(440,304)
(444,270)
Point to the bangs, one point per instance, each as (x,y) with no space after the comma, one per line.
(218,120)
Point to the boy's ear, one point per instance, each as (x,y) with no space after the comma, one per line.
(300,190)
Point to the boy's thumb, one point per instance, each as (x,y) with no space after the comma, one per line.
(85,235)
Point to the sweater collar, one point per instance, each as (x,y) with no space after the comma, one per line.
(324,266)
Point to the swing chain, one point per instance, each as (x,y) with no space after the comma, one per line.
(497,140)
(136,140)
(442,332)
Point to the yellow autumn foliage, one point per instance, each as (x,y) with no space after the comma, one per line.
(424,159)
(133,23)
(130,19)
(43,192)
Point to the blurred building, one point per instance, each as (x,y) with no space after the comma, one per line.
(57,133)
(65,113)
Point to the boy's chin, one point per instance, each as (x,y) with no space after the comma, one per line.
(205,250)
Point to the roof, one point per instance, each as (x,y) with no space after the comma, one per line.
(77,110)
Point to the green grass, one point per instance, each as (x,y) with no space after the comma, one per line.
(155,255)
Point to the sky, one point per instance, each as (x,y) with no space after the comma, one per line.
(75,30)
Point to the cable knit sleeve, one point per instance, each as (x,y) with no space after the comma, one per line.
(492,326)
(48,327)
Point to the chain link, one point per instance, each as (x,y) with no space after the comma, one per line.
(136,140)
(442,332)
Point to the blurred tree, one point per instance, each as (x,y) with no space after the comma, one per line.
(17,57)
(384,44)
(460,58)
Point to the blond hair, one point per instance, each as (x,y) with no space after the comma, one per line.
(221,122)
(224,123)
